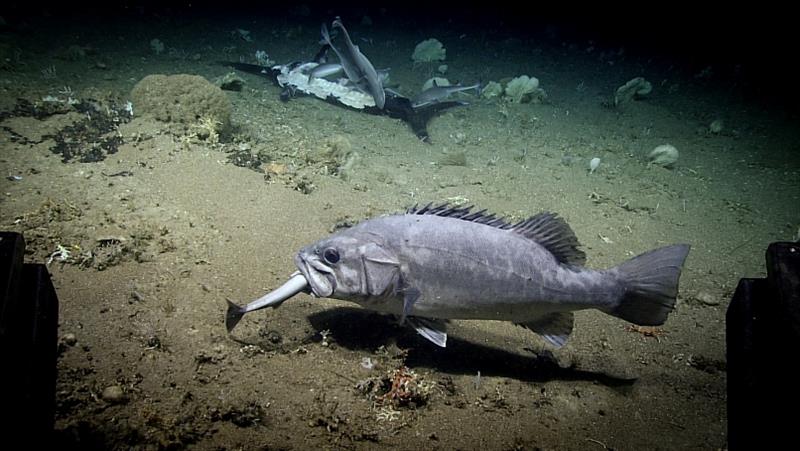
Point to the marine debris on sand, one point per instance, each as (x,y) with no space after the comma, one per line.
(635,89)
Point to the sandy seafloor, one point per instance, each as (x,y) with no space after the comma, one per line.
(183,229)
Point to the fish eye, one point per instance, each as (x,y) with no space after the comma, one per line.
(331,256)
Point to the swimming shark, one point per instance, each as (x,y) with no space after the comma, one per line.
(438,93)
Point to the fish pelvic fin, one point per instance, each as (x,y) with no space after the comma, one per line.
(651,285)
(234,315)
(434,330)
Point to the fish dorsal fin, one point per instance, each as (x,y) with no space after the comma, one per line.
(547,229)
(555,235)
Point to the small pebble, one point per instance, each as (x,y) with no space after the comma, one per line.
(707,298)
(114,394)
(70,339)
(367,363)
(594,163)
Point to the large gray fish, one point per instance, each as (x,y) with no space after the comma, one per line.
(437,263)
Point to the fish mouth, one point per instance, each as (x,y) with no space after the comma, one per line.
(320,276)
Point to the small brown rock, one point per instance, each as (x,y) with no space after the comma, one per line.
(275,169)
(706,298)
(70,339)
(114,395)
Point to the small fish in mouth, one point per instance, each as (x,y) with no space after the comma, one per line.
(435,263)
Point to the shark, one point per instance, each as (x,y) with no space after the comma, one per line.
(438,93)
(356,66)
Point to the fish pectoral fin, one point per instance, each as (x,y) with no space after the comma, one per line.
(555,328)
(433,330)
(410,296)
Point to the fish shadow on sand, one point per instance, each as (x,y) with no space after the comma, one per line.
(361,330)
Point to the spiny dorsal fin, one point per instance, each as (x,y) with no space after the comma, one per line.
(547,229)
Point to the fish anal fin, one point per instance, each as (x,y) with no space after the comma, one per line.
(555,328)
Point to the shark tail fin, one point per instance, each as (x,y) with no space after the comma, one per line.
(234,315)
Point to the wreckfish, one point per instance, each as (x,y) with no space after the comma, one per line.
(436,263)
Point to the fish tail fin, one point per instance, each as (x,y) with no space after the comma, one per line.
(651,285)
(234,315)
